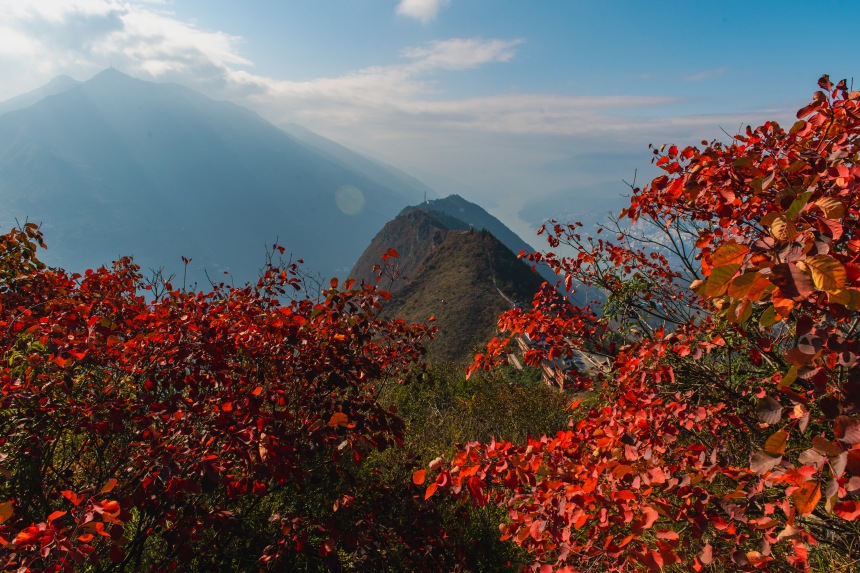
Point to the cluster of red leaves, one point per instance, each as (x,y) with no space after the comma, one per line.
(732,437)
(126,419)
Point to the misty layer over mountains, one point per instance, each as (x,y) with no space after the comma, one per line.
(117,166)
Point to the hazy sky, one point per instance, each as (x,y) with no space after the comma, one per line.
(510,100)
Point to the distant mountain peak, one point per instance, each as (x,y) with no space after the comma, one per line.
(56,86)
(62,81)
(121,166)
(114,78)
(113,73)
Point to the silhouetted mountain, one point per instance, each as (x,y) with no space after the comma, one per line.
(56,86)
(117,166)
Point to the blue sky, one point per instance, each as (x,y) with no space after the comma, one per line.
(504,101)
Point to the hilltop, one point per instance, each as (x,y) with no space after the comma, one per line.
(463,277)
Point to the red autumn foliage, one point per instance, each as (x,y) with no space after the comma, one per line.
(127,422)
(728,433)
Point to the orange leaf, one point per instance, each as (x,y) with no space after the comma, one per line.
(56,515)
(730,253)
(806,497)
(338,419)
(110,507)
(827,273)
(257,391)
(832,208)
(749,285)
(418,477)
(776,443)
(27,536)
(72,497)
(431,489)
(719,280)
(111,483)
(6,510)
(621,470)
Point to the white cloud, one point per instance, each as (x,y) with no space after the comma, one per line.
(79,38)
(46,38)
(424,11)
(400,111)
(461,53)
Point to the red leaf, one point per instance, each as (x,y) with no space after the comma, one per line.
(761,462)
(418,477)
(849,510)
(848,430)
(72,497)
(27,536)
(793,282)
(769,410)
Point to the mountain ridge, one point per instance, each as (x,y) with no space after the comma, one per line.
(462,276)
(119,166)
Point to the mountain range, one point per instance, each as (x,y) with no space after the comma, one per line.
(117,166)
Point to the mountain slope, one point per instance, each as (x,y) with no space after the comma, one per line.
(414,234)
(405,232)
(56,86)
(466,283)
(463,277)
(390,176)
(117,166)
(479,218)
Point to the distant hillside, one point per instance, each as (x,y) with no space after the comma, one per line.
(414,234)
(56,86)
(381,172)
(118,166)
(478,218)
(453,212)
(464,277)
(466,283)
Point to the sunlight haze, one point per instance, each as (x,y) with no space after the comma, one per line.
(498,101)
